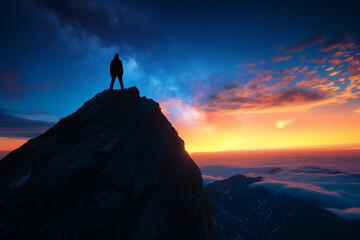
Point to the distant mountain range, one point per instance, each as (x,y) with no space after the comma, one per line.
(246,212)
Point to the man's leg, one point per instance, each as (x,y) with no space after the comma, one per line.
(121,82)
(112,82)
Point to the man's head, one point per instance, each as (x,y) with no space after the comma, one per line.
(116,55)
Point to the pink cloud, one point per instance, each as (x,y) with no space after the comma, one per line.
(337,54)
(336,43)
(335,61)
(264,78)
(284,71)
(278,58)
(318,60)
(290,89)
(355,62)
(344,47)
(213,177)
(308,74)
(303,69)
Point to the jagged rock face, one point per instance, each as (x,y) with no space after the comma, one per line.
(114,169)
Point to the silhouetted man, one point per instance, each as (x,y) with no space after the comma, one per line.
(116,70)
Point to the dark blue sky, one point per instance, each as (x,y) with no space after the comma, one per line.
(55,54)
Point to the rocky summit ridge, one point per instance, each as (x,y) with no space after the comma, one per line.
(114,169)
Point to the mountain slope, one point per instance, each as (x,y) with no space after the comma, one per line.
(114,169)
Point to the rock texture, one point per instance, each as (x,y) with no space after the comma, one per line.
(114,169)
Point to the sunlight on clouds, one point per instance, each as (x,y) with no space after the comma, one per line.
(283,123)
(271,97)
(190,114)
(335,73)
(356,110)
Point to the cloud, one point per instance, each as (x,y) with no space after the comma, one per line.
(21,127)
(356,110)
(263,102)
(183,113)
(348,213)
(335,73)
(303,69)
(282,87)
(335,62)
(11,85)
(307,191)
(337,54)
(331,178)
(264,78)
(208,179)
(318,60)
(314,39)
(332,189)
(355,62)
(116,23)
(308,74)
(335,43)
(283,123)
(278,58)
(212,177)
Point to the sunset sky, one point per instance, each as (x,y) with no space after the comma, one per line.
(229,75)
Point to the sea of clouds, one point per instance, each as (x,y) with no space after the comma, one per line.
(333,182)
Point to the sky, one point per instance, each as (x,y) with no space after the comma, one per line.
(229,75)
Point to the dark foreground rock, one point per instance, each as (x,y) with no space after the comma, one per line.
(114,169)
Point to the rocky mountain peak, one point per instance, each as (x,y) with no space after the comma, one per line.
(114,169)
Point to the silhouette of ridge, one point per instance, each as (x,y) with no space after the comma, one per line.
(114,169)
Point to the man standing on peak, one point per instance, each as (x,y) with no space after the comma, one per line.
(116,70)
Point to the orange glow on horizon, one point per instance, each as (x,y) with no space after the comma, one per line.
(257,131)
(9,144)
(303,104)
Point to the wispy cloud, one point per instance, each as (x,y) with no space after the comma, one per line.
(12,87)
(20,127)
(318,60)
(280,87)
(314,39)
(336,43)
(278,58)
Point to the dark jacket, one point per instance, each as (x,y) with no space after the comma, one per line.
(116,67)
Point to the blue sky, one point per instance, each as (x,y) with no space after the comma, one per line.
(55,55)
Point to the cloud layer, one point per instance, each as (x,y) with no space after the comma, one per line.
(21,127)
(333,182)
(328,75)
